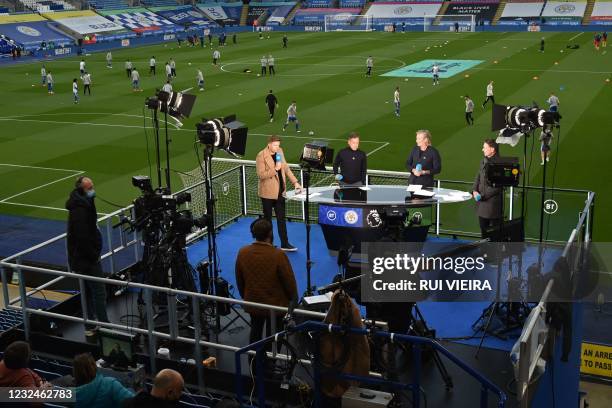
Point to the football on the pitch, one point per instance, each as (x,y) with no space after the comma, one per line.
(311,133)
(258,74)
(189,63)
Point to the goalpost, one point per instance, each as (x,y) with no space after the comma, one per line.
(460,22)
(348,22)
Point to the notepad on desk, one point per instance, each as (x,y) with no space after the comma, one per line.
(413,188)
(423,193)
(317,299)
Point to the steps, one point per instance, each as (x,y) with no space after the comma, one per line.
(244,14)
(586,19)
(441,12)
(499,12)
(289,17)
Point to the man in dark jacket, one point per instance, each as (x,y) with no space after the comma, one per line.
(351,164)
(264,275)
(488,198)
(84,246)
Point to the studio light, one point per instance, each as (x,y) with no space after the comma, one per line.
(224,134)
(176,104)
(522,118)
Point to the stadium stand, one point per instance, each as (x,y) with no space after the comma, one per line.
(140,20)
(402,12)
(316,16)
(109,4)
(521,12)
(32,32)
(187,16)
(602,13)
(483,10)
(563,12)
(261,11)
(351,3)
(226,13)
(318,4)
(9,319)
(44,6)
(279,14)
(158,3)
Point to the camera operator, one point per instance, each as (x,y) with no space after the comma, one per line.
(264,275)
(351,164)
(488,198)
(84,242)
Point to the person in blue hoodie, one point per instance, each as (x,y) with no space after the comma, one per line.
(93,390)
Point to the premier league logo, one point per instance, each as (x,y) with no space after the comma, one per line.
(351,217)
(331,215)
(373,219)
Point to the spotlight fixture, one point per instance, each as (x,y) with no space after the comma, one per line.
(224,134)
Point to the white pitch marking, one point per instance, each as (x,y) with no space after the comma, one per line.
(40,206)
(37,167)
(378,148)
(576,36)
(41,186)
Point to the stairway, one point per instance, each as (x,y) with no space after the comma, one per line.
(244,14)
(586,19)
(499,12)
(289,17)
(441,12)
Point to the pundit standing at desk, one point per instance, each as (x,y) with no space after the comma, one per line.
(424,161)
(273,172)
(351,164)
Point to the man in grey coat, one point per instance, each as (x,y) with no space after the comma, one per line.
(488,198)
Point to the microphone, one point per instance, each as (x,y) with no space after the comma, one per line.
(278,158)
(419,167)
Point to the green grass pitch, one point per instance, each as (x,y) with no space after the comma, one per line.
(45,141)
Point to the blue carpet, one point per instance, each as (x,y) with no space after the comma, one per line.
(451,320)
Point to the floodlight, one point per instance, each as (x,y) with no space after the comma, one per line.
(224,134)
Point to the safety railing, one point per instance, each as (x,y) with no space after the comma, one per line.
(562,206)
(316,327)
(536,333)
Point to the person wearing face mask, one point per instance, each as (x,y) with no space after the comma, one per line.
(84,242)
(424,160)
(488,198)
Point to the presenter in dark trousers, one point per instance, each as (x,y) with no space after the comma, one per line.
(424,161)
(273,171)
(488,198)
(351,164)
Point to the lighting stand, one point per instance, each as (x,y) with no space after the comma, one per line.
(211,233)
(157,153)
(306,180)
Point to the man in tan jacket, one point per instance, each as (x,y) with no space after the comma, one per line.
(264,275)
(272,172)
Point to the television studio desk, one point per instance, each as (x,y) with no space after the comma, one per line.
(349,216)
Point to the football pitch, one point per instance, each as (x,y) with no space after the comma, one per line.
(46,141)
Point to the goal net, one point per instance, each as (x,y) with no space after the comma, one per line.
(460,23)
(348,22)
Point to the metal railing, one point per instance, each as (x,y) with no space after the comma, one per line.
(415,386)
(532,341)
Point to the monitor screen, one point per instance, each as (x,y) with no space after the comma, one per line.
(117,349)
